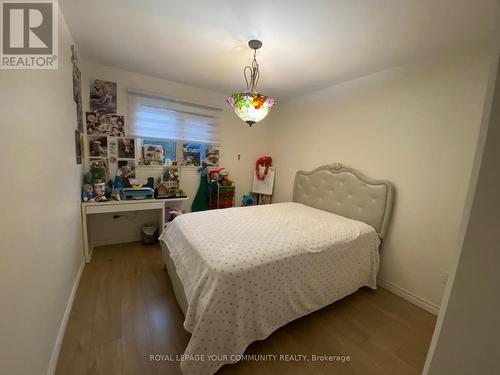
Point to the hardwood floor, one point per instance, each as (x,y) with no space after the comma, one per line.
(125,310)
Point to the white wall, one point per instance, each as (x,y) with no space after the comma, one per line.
(466,340)
(236,139)
(415,125)
(40,229)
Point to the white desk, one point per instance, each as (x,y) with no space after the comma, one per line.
(91,208)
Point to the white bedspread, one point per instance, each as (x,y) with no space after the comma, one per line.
(248,271)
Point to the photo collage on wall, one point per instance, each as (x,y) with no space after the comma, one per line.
(106,132)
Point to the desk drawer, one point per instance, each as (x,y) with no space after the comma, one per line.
(99,209)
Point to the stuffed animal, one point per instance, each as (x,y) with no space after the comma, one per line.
(224,178)
(87,195)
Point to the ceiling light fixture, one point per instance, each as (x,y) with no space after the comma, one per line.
(250,106)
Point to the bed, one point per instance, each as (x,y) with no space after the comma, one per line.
(241,273)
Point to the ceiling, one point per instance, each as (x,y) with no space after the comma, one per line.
(307,44)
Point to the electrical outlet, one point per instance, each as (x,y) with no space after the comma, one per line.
(239,157)
(444,278)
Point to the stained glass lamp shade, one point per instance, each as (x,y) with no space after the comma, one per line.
(251,106)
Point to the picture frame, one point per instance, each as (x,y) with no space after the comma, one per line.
(78,147)
(105,124)
(98,146)
(153,154)
(126,148)
(103,96)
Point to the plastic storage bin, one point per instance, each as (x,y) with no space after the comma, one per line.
(149,234)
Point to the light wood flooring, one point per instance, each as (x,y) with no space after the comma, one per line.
(125,310)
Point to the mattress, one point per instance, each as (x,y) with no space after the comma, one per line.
(248,271)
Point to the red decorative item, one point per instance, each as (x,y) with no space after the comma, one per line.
(266,162)
(211,172)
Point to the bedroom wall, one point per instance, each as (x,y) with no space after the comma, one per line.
(415,125)
(41,253)
(236,139)
(466,337)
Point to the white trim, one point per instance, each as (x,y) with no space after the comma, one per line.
(409,296)
(64,323)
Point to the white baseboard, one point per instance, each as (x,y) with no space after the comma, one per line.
(64,322)
(410,297)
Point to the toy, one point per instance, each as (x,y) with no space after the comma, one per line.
(166,189)
(179,193)
(248,200)
(118,182)
(137,193)
(100,191)
(214,174)
(136,183)
(171,174)
(98,172)
(224,178)
(151,182)
(87,193)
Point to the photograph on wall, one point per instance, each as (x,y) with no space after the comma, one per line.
(98,146)
(213,154)
(79,116)
(77,84)
(112,125)
(126,169)
(191,154)
(126,148)
(112,147)
(78,147)
(103,97)
(153,154)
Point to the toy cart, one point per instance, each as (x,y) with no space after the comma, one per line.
(221,196)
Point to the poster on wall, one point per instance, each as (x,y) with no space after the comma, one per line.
(112,125)
(126,169)
(112,147)
(79,116)
(78,147)
(77,89)
(103,96)
(191,154)
(213,154)
(98,146)
(77,84)
(154,155)
(126,148)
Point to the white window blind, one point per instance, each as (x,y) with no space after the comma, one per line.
(152,116)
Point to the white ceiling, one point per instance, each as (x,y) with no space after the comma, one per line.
(307,44)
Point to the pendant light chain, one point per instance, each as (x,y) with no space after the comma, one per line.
(253,70)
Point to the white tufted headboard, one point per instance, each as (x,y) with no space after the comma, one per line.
(345,191)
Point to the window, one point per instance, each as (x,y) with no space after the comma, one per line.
(153,117)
